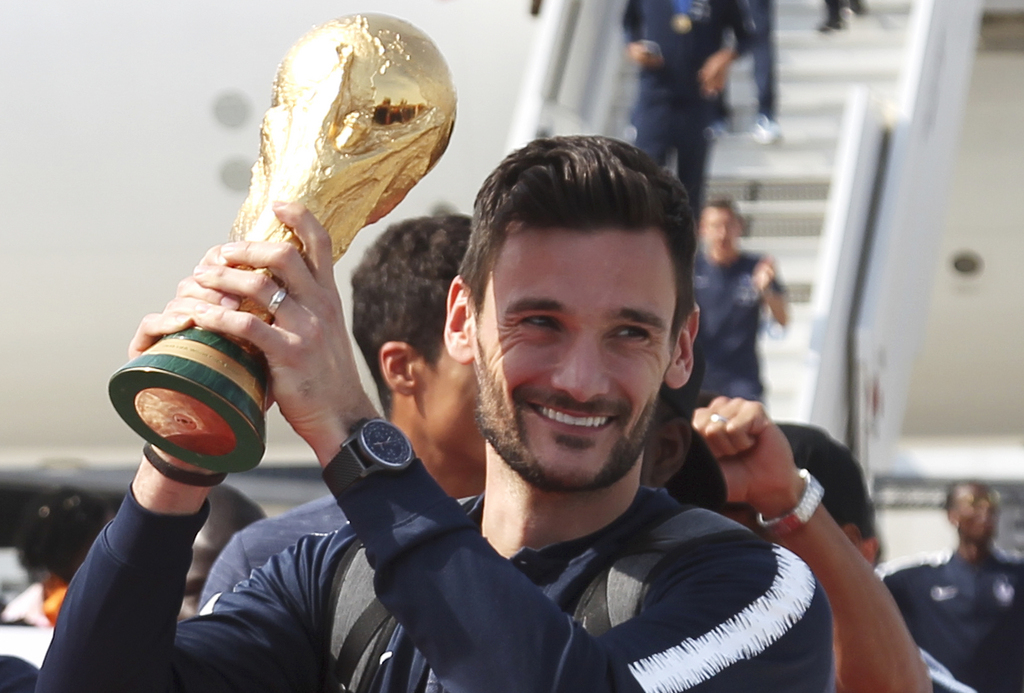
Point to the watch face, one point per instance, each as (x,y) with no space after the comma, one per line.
(386,443)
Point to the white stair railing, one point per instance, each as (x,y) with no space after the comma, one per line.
(824,397)
(906,238)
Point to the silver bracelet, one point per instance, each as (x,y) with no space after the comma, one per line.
(798,516)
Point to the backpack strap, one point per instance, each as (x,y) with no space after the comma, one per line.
(617,593)
(359,621)
(361,626)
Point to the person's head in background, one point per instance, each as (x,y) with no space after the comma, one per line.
(399,294)
(973,509)
(676,457)
(720,229)
(230,511)
(53,537)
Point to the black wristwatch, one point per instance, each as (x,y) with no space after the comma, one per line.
(375,445)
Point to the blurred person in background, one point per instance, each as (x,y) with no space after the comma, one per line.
(733,289)
(52,539)
(834,14)
(680,48)
(963,606)
(766,128)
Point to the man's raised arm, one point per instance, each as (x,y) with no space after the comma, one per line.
(874,650)
(118,624)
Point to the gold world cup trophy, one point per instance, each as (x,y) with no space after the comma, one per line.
(363,108)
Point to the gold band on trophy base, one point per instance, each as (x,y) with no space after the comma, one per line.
(363,108)
(681,23)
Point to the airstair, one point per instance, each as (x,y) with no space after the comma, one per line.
(849,202)
(783,189)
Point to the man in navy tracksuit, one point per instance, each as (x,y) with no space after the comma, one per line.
(575,304)
(684,65)
(966,607)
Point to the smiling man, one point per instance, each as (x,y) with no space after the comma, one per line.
(574,304)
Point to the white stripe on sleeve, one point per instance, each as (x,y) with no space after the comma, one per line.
(743,636)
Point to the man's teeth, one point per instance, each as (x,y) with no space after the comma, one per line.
(586,421)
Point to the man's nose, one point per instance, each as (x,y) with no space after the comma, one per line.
(582,372)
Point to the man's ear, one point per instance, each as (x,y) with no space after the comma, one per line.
(681,366)
(398,365)
(666,451)
(868,548)
(460,324)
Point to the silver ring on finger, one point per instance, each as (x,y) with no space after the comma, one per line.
(718,418)
(276,300)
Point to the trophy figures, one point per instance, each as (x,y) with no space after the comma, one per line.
(363,107)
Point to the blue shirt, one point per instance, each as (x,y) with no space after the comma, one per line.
(730,316)
(736,615)
(970,618)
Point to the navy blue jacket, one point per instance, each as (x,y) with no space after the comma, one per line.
(17,675)
(742,615)
(684,54)
(970,618)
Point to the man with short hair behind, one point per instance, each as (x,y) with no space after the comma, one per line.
(574,305)
(399,291)
(733,289)
(965,607)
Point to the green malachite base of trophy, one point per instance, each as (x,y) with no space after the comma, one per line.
(198,396)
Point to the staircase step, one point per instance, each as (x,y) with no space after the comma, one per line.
(767,186)
(743,162)
(825,63)
(808,97)
(874,7)
(862,32)
(783,208)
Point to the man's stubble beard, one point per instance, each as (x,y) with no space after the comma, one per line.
(505,432)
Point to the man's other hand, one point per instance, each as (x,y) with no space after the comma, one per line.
(763,274)
(755,456)
(643,53)
(714,73)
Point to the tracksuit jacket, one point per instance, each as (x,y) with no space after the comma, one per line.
(740,615)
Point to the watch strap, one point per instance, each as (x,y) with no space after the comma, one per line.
(798,516)
(342,471)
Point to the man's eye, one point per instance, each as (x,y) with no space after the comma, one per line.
(540,321)
(631,332)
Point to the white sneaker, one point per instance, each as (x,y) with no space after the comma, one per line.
(766,130)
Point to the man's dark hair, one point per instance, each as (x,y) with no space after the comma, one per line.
(833,465)
(725,203)
(581,183)
(954,487)
(57,529)
(400,287)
